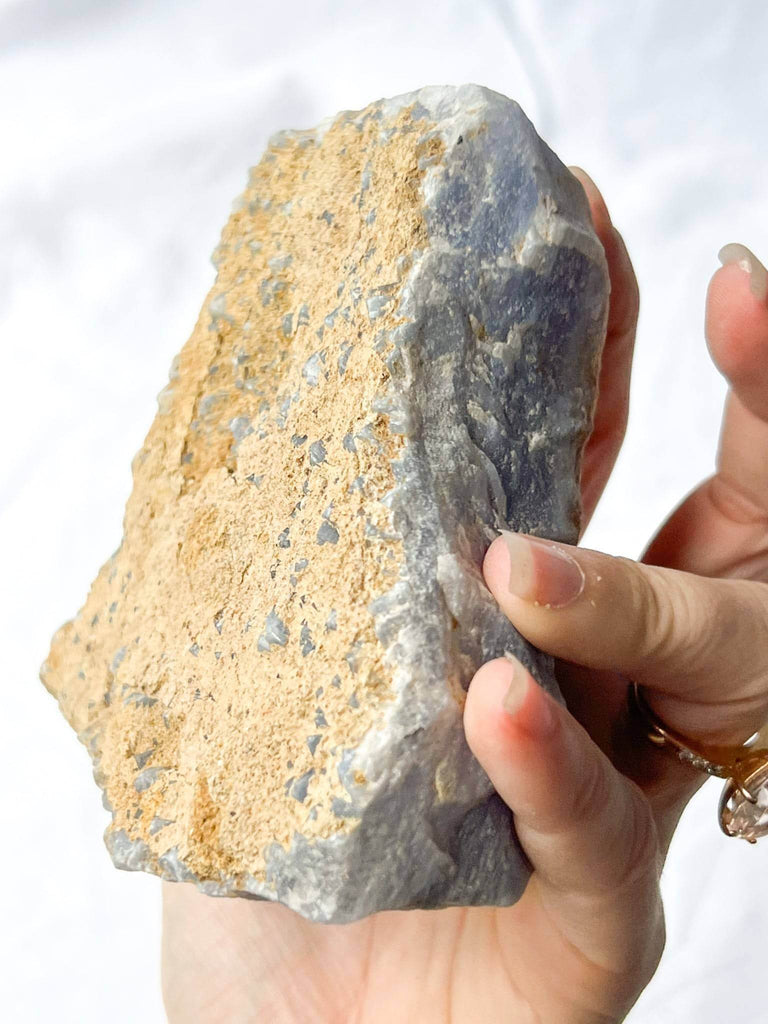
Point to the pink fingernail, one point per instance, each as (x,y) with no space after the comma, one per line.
(541,572)
(532,711)
(518,687)
(734,252)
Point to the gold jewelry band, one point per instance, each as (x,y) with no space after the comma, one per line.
(743,809)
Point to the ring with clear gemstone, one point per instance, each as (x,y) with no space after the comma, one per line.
(744,801)
(739,816)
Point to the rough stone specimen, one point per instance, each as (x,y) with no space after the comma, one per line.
(398,358)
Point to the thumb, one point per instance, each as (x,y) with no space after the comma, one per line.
(587,830)
(698,643)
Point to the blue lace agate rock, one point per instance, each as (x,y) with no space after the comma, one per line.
(398,360)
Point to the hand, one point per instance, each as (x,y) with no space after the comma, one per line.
(696,642)
(240,961)
(234,960)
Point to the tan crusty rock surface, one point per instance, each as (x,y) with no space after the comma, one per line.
(269,672)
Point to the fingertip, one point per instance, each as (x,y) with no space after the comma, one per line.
(484,714)
(506,713)
(745,259)
(496,566)
(600,216)
(736,329)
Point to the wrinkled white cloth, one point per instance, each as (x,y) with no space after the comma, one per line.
(127,129)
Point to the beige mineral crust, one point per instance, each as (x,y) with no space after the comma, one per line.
(241,645)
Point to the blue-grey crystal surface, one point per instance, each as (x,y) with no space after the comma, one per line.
(493,381)
(490,336)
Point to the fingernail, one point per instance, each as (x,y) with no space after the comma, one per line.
(734,252)
(591,189)
(533,715)
(586,180)
(541,572)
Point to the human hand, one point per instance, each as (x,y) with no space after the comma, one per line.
(696,643)
(233,960)
(238,961)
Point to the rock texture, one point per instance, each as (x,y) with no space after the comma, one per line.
(398,358)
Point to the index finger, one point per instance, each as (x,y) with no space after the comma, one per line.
(737,335)
(698,643)
(612,408)
(720,528)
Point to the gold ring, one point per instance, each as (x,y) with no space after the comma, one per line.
(743,809)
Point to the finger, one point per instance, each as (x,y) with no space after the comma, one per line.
(597,699)
(696,642)
(625,297)
(587,830)
(737,335)
(720,529)
(612,407)
(736,326)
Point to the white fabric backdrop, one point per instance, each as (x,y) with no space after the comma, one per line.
(127,129)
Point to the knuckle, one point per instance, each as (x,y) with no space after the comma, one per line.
(667,615)
(592,794)
(685,624)
(642,860)
(630,856)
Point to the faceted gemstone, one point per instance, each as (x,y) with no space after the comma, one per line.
(749,820)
